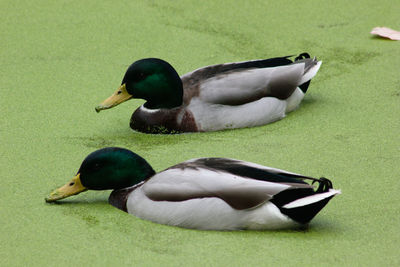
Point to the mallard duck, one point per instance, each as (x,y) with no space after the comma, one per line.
(204,193)
(218,97)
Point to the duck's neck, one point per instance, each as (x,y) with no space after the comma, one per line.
(142,173)
(166,101)
(119,196)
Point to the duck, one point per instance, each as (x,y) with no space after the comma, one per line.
(203,193)
(213,98)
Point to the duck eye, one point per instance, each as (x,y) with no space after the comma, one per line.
(96,166)
(140,76)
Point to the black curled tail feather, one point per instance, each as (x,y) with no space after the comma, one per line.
(324,185)
(302,56)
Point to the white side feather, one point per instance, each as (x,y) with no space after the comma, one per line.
(207,214)
(213,117)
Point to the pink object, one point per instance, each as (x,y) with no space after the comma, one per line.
(386,33)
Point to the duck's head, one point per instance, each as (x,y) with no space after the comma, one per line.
(152,79)
(107,168)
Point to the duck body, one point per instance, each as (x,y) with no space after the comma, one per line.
(224,96)
(210,193)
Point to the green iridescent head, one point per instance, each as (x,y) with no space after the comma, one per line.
(107,168)
(152,79)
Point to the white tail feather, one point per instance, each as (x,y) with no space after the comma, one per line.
(311,199)
(310,73)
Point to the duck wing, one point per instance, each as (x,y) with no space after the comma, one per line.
(244,82)
(240,184)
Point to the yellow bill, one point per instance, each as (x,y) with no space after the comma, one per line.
(119,96)
(71,188)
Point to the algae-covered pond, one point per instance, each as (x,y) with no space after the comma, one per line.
(59,59)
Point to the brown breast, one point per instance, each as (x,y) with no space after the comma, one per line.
(163,121)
